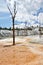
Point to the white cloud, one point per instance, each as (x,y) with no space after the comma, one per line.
(25,9)
(5,17)
(20,26)
(26,6)
(3,9)
(40,17)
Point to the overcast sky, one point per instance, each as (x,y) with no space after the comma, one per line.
(27,10)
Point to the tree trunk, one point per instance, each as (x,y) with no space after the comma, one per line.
(13,32)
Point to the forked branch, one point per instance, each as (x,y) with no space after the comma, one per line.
(9,10)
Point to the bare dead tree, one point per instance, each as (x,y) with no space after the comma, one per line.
(13,19)
(26,28)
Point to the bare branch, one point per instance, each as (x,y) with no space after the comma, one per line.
(15,14)
(15,9)
(9,10)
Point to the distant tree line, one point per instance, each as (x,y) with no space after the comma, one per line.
(5,28)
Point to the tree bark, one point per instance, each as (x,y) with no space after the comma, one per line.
(13,31)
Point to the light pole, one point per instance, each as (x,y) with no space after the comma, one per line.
(13,14)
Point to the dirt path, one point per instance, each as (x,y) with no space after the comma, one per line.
(23,53)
